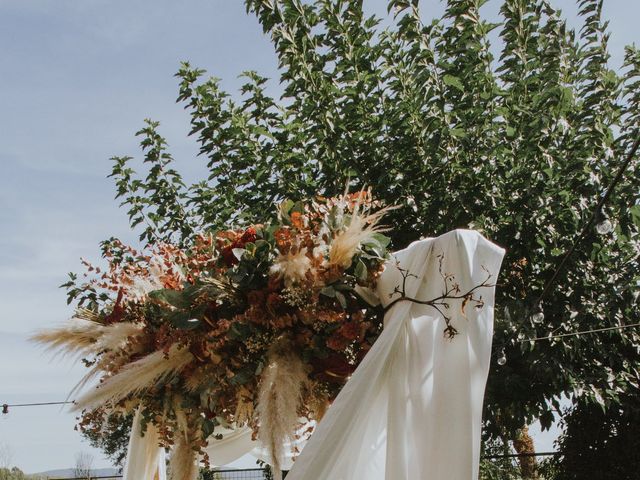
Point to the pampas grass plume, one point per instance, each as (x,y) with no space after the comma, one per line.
(84,336)
(279,398)
(183,464)
(77,336)
(136,377)
(360,229)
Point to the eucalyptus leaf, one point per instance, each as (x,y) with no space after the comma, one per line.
(175,298)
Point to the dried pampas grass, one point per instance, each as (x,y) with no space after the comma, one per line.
(115,336)
(118,336)
(244,409)
(195,381)
(318,401)
(292,267)
(84,336)
(75,337)
(183,464)
(136,377)
(361,228)
(181,418)
(279,398)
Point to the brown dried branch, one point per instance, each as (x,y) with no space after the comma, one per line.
(451,291)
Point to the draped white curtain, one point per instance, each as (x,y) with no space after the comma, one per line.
(145,460)
(413,408)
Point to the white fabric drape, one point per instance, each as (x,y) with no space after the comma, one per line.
(145,460)
(233,445)
(413,408)
(237,443)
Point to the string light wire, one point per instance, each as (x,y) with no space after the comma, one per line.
(534,339)
(35,404)
(575,334)
(6,406)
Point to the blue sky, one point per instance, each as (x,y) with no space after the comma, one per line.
(77,78)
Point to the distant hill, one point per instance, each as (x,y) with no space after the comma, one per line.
(69,473)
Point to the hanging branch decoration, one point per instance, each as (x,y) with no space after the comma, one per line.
(451,291)
(254,327)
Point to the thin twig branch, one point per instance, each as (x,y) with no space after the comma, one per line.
(451,292)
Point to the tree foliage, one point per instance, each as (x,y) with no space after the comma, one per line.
(112,437)
(518,143)
(14,473)
(600,444)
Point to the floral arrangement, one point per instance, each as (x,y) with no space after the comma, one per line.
(254,327)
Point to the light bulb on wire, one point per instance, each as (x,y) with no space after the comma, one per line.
(603,225)
(538,314)
(502,359)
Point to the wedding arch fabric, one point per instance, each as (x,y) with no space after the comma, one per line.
(145,460)
(413,407)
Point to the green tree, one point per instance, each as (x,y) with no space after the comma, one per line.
(600,444)
(14,473)
(112,436)
(519,144)
(503,468)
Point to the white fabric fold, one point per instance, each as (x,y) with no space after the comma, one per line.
(145,459)
(413,408)
(234,444)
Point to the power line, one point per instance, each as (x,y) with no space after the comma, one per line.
(583,332)
(35,404)
(518,455)
(6,406)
